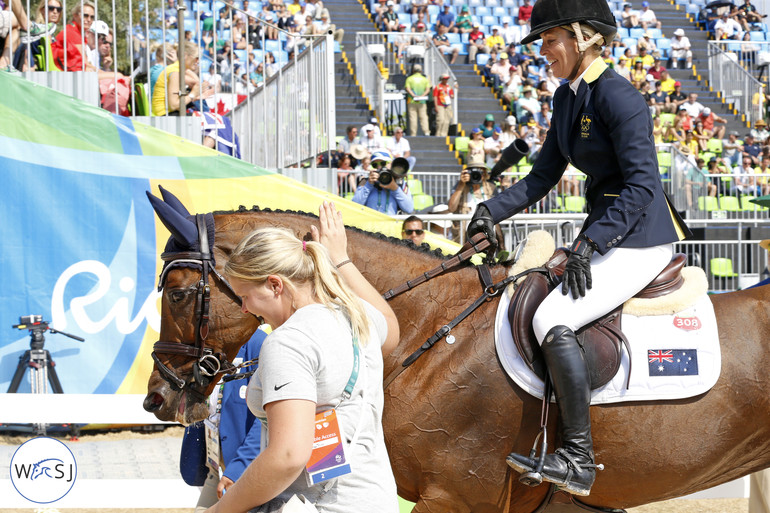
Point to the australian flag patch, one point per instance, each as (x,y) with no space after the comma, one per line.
(673,362)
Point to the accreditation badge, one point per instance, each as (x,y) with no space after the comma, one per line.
(586,120)
(212,444)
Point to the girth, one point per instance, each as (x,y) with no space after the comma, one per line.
(601,340)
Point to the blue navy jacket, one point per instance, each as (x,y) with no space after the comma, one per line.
(605,131)
(240,432)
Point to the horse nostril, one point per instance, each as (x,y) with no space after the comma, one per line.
(153,402)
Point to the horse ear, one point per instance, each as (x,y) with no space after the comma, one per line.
(182,230)
(173,202)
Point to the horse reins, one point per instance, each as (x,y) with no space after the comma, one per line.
(208,363)
(476,244)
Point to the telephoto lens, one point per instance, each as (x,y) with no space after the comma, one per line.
(385,177)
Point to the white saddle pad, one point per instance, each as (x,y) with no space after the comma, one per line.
(673,356)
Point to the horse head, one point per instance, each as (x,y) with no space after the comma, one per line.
(196,301)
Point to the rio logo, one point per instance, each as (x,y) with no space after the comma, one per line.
(43,470)
(687,323)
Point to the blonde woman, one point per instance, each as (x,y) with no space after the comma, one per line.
(323,312)
(165,95)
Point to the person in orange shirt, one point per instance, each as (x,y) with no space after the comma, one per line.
(443,95)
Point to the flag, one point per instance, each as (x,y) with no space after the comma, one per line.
(673,362)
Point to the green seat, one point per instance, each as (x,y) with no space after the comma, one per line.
(574,204)
(748,205)
(722,268)
(714,146)
(461,144)
(707,203)
(348,196)
(706,155)
(44,60)
(664,162)
(729,203)
(141,101)
(422,201)
(415,186)
(667,118)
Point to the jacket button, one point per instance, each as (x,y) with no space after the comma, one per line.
(609,244)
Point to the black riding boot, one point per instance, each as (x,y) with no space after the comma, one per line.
(572,466)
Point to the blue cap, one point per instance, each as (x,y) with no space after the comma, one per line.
(498,130)
(476,130)
(645,4)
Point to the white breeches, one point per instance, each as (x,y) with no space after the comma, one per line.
(617,276)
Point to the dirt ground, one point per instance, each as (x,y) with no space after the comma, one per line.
(672,506)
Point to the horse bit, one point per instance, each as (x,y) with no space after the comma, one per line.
(208,363)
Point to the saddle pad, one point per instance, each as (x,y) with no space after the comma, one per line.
(673,356)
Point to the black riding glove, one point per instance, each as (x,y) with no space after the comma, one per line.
(482,223)
(577,273)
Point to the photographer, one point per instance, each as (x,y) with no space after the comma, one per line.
(385,190)
(472,188)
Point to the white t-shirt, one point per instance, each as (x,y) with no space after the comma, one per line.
(310,357)
(398,149)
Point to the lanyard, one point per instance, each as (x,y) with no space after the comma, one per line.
(354,375)
(379,199)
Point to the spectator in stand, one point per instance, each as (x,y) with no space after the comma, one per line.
(709,120)
(676,97)
(509,134)
(680,49)
(658,100)
(388,199)
(446,18)
(701,135)
(530,132)
(727,28)
(543,117)
(468,194)
(346,175)
(369,140)
(372,122)
(751,148)
(443,97)
(715,168)
(464,22)
(525,13)
(401,40)
(763,181)
(647,17)
(488,126)
(476,43)
(688,146)
(527,105)
(657,68)
(622,68)
(165,54)
(73,49)
(512,90)
(475,154)
(413,229)
(638,73)
(658,130)
(760,131)
(749,14)
(646,58)
(389,18)
(647,43)
(495,41)
(629,18)
(417,88)
(744,180)
(48,11)
(398,146)
(511,33)
(493,147)
(682,124)
(500,71)
(343,147)
(692,105)
(165,98)
(441,40)
(731,148)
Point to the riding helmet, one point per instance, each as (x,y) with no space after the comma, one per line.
(547,14)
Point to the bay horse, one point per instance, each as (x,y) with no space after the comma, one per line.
(453,416)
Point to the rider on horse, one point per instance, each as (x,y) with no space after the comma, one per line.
(602,126)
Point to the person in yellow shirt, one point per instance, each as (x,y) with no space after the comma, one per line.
(294,7)
(495,41)
(645,56)
(667,83)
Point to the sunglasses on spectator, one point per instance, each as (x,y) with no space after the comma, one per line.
(54,8)
(378,164)
(89,16)
(414,232)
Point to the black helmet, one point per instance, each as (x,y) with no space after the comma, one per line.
(547,14)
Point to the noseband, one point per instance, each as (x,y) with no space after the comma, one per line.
(208,363)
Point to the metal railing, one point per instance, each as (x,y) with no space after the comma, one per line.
(732,70)
(381,57)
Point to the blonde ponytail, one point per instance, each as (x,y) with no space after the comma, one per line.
(276,251)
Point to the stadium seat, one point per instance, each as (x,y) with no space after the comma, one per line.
(635,33)
(729,203)
(707,203)
(415,186)
(664,162)
(141,101)
(461,144)
(482,11)
(755,35)
(500,12)
(422,201)
(453,37)
(663,44)
(714,146)
(574,204)
(748,206)
(655,33)
(489,21)
(482,58)
(722,268)
(272,45)
(667,118)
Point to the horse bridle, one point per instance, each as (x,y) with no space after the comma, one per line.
(208,363)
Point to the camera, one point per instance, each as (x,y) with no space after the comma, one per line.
(29,319)
(398,169)
(476,173)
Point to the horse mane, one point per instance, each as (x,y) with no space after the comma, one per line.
(423,248)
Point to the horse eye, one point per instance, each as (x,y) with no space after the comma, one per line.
(177,295)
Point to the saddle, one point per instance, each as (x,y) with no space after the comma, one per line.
(601,339)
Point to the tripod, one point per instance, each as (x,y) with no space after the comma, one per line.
(39,361)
